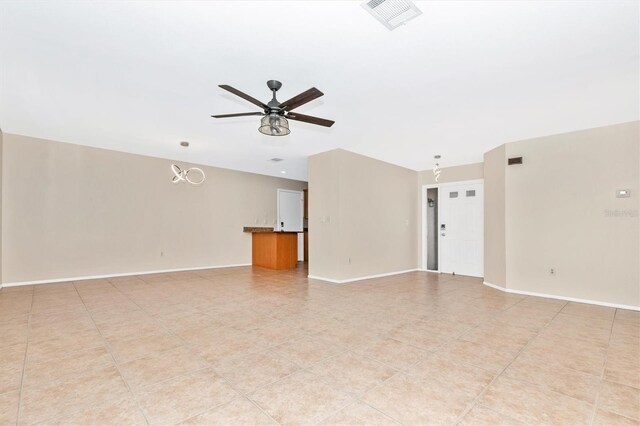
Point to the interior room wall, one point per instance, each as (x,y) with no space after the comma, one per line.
(562,214)
(324,219)
(372,223)
(1,145)
(76,211)
(495,268)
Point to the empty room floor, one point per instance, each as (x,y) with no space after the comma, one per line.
(251,346)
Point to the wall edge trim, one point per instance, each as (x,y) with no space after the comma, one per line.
(365,277)
(569,299)
(127,274)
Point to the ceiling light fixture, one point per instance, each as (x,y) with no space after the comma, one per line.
(284,172)
(274,125)
(437,170)
(276,114)
(185,175)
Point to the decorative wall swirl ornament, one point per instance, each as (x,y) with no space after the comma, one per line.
(187,175)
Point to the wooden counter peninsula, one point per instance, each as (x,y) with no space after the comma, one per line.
(274,250)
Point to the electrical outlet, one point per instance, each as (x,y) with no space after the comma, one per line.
(552,271)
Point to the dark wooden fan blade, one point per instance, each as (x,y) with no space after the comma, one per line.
(240,114)
(309,119)
(243,96)
(301,99)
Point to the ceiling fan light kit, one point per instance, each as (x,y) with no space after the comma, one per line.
(274,125)
(276,114)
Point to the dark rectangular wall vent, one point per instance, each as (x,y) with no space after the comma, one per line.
(515,160)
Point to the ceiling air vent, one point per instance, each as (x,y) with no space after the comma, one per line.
(392,13)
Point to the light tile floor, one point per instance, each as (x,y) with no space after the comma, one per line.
(250,346)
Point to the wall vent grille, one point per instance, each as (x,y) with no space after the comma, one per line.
(392,13)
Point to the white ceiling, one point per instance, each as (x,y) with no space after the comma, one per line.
(458,80)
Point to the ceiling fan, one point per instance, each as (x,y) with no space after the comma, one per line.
(275,114)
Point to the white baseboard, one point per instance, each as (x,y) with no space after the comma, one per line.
(368,277)
(497,287)
(569,299)
(93,277)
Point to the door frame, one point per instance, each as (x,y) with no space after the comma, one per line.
(279,191)
(423,209)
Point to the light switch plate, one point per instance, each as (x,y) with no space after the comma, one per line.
(623,193)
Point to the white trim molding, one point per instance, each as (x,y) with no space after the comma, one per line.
(569,299)
(127,274)
(367,277)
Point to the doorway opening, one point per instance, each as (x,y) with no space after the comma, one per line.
(432,229)
(291,214)
(453,228)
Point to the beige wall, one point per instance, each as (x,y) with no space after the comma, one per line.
(324,236)
(1,145)
(495,268)
(449,174)
(73,211)
(371,209)
(558,206)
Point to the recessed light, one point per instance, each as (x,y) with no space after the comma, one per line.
(184,143)
(284,172)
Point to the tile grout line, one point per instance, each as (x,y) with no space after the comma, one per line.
(436,353)
(476,400)
(209,365)
(398,371)
(358,398)
(301,369)
(24,362)
(602,374)
(162,325)
(261,409)
(345,315)
(135,398)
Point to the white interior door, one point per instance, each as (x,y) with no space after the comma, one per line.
(461,229)
(290,210)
